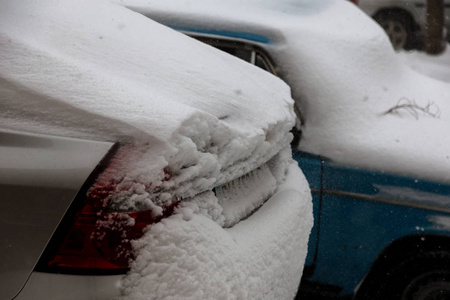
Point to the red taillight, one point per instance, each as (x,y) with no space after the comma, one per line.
(97,239)
(354,1)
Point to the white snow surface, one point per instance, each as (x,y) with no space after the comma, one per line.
(344,76)
(190,118)
(434,66)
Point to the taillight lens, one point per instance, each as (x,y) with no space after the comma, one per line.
(354,1)
(98,240)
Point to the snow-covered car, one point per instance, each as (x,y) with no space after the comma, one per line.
(403,20)
(137,163)
(373,142)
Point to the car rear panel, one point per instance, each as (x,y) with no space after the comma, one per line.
(70,287)
(39,177)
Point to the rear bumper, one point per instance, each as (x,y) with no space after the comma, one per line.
(70,287)
(269,247)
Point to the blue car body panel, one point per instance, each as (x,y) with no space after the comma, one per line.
(248,36)
(359,213)
(311,166)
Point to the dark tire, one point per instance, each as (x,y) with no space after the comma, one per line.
(422,277)
(399,26)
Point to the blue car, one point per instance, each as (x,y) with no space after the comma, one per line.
(374,151)
(381,235)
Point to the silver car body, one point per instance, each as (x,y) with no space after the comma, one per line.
(39,177)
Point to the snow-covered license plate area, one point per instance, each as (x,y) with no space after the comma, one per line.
(192,257)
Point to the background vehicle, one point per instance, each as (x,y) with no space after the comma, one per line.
(403,20)
(116,146)
(380,209)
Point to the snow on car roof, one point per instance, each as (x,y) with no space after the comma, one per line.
(362,105)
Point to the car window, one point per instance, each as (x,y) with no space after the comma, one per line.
(250,53)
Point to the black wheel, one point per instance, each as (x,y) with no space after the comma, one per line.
(399,27)
(422,277)
(434,285)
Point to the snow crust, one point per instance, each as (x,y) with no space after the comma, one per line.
(345,77)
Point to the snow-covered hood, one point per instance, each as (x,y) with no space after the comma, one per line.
(345,78)
(193,111)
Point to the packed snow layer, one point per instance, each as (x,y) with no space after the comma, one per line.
(189,256)
(362,105)
(96,70)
